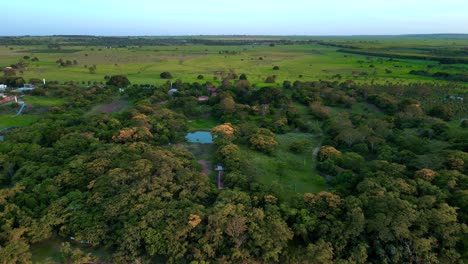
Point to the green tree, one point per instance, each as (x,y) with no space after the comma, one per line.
(118,80)
(165,75)
(92,69)
(263,140)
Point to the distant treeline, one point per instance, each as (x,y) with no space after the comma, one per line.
(442,60)
(442,75)
(58,41)
(332,44)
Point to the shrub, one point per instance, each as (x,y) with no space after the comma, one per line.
(263,140)
(165,75)
(275,68)
(328,152)
(319,111)
(35,81)
(464,123)
(443,112)
(298,146)
(118,80)
(270,79)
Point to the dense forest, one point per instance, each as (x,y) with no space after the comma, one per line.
(395,157)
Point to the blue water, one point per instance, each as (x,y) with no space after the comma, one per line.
(199,137)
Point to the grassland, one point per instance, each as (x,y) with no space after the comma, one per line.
(7,118)
(202,124)
(7,121)
(143,64)
(43,101)
(288,172)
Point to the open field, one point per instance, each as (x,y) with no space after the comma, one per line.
(287,171)
(7,121)
(43,101)
(202,124)
(143,64)
(7,118)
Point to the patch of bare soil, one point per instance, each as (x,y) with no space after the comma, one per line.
(111,107)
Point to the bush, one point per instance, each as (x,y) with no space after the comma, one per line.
(352,161)
(118,80)
(275,68)
(165,75)
(298,146)
(200,77)
(443,112)
(35,81)
(38,92)
(328,166)
(319,111)
(328,152)
(464,123)
(263,140)
(270,79)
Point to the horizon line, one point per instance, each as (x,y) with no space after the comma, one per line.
(236,35)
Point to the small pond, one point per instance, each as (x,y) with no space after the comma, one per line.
(203,137)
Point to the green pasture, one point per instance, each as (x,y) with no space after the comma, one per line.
(144,64)
(42,100)
(6,120)
(202,124)
(288,172)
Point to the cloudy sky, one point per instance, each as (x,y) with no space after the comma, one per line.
(240,17)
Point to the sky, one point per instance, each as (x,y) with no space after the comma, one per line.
(239,17)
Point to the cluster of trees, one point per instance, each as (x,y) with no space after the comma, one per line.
(121,182)
(443,60)
(461,77)
(66,63)
(12,81)
(58,41)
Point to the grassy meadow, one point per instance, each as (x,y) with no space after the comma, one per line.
(287,171)
(8,117)
(143,64)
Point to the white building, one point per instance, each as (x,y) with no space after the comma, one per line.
(3,87)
